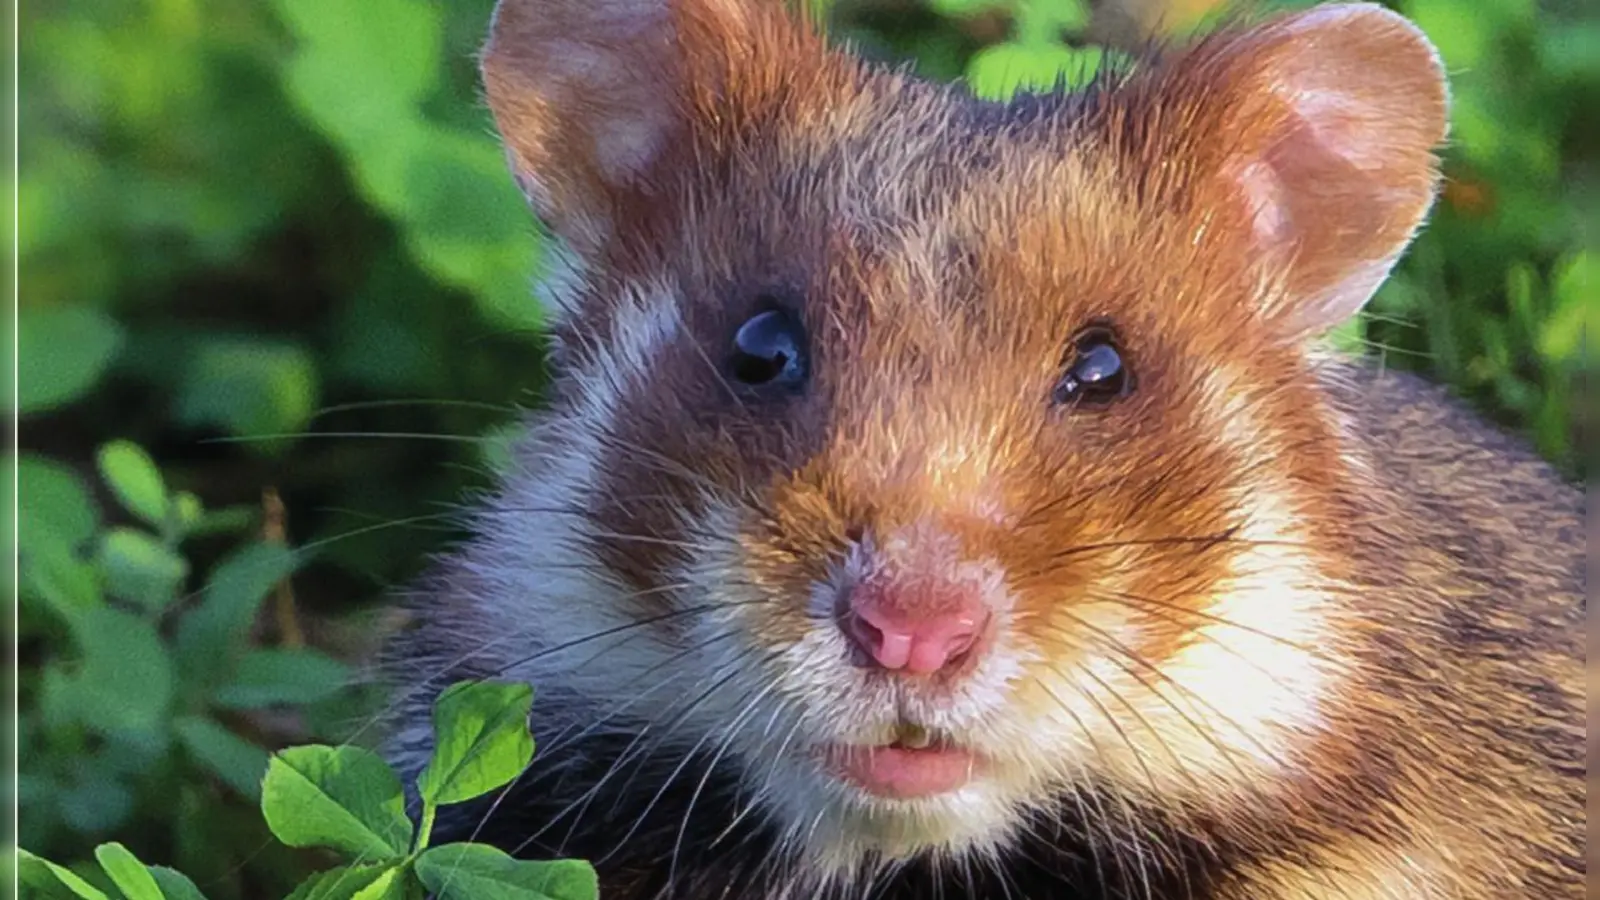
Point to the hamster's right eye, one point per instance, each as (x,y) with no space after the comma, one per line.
(769,350)
(1096,373)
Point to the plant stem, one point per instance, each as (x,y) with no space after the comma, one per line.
(425,830)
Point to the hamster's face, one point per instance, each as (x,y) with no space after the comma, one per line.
(962,458)
(975,460)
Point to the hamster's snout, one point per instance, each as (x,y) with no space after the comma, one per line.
(920,611)
(912,602)
(917,625)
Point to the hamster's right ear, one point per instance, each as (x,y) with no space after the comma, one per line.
(591,97)
(1314,133)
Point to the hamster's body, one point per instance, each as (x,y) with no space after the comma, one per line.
(947,499)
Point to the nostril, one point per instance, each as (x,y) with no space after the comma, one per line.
(945,642)
(961,642)
(889,632)
(888,647)
(865,635)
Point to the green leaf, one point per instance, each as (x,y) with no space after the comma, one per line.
(1522,282)
(394,884)
(1038,21)
(188,510)
(481,740)
(1348,337)
(275,677)
(1573,286)
(97,802)
(965,8)
(369,882)
(229,520)
(52,881)
(132,475)
(249,388)
(238,762)
(377,125)
(459,214)
(481,872)
(53,504)
(211,633)
(488,251)
(399,48)
(999,71)
(1567,48)
(346,798)
(175,885)
(53,573)
(63,352)
(124,679)
(127,872)
(1461,32)
(138,568)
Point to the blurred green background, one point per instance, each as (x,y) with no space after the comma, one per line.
(275,314)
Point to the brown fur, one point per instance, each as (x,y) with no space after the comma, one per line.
(945,251)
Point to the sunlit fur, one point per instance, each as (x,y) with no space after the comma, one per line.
(1197,591)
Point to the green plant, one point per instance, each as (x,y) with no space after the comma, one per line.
(235,215)
(348,800)
(1496,295)
(146,697)
(177,341)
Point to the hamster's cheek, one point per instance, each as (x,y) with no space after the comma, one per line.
(1220,705)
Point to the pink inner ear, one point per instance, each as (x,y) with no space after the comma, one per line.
(1345,104)
(1263,191)
(1343,122)
(1331,215)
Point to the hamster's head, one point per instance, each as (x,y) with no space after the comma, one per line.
(937,462)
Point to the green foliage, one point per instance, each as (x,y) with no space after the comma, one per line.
(68,350)
(348,800)
(132,476)
(444,184)
(1034,56)
(1000,70)
(341,797)
(49,881)
(144,693)
(478,747)
(249,387)
(236,762)
(1494,298)
(479,872)
(131,878)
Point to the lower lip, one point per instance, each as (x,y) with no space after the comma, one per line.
(902,773)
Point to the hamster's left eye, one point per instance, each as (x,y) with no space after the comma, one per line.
(769,350)
(1096,372)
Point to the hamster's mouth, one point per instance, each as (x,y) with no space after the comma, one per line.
(916,765)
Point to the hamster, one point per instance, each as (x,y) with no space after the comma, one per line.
(942,497)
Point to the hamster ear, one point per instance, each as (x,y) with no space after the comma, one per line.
(590,96)
(1327,120)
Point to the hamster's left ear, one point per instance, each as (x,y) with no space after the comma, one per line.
(596,99)
(1320,128)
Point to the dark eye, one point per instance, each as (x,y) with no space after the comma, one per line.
(1096,373)
(770,349)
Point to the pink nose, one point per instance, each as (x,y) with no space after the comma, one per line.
(920,629)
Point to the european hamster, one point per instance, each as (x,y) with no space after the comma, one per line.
(952,498)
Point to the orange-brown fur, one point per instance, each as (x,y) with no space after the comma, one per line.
(945,252)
